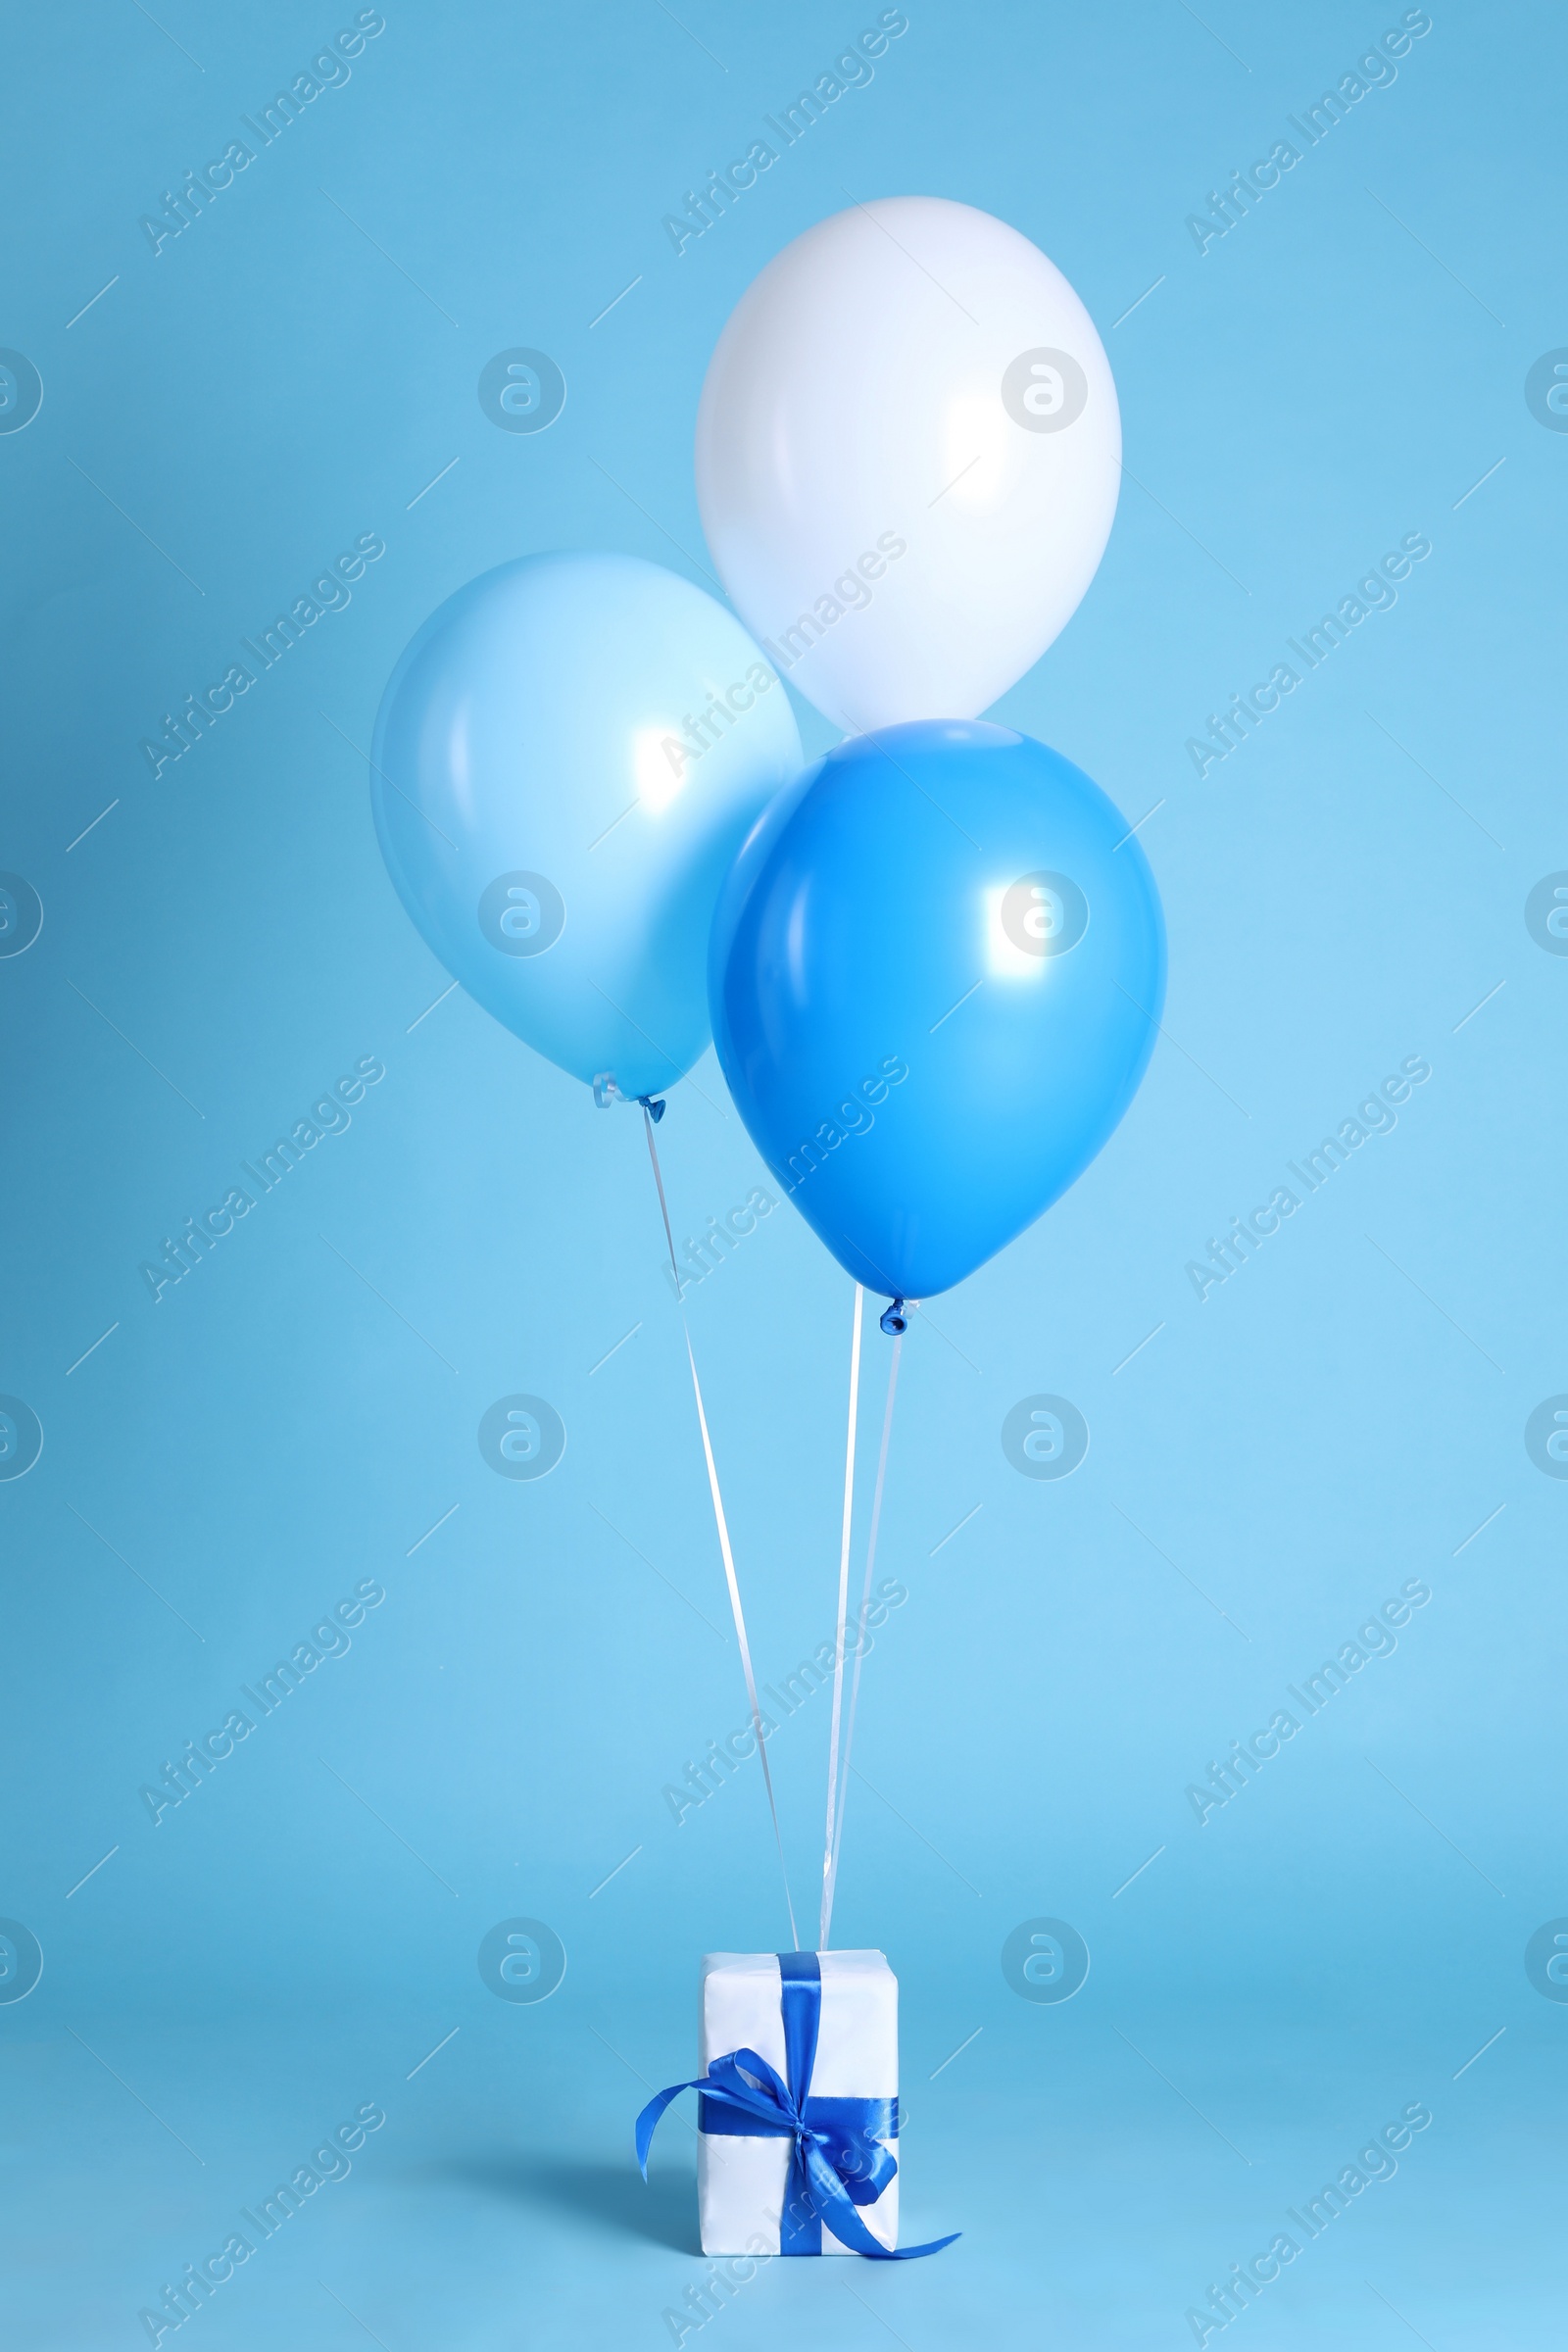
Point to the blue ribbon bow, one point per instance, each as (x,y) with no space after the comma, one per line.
(838,2160)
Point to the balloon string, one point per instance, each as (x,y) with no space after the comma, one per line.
(843,1621)
(722,1525)
(860,1644)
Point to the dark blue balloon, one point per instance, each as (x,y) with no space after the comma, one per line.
(936,973)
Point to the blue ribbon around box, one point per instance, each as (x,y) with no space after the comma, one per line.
(838,2160)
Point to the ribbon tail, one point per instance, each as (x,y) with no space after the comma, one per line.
(648,2121)
(840,2215)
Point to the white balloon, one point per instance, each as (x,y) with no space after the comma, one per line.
(909,451)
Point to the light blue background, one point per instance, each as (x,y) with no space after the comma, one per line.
(1343,1937)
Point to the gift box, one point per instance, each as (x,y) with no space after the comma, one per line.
(798,2119)
(743,2177)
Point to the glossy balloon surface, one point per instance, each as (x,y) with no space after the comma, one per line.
(936,976)
(907,459)
(567,757)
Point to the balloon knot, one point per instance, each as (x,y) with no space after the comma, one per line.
(654,1109)
(895,1322)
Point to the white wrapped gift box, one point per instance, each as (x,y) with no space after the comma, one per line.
(742,2180)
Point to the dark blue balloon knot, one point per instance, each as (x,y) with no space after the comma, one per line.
(895,1322)
(654,1109)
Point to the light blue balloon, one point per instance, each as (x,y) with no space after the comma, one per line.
(566,759)
(935,975)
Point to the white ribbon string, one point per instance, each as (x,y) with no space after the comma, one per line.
(860,1644)
(842,1620)
(722,1525)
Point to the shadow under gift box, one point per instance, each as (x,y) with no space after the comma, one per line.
(742,2180)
